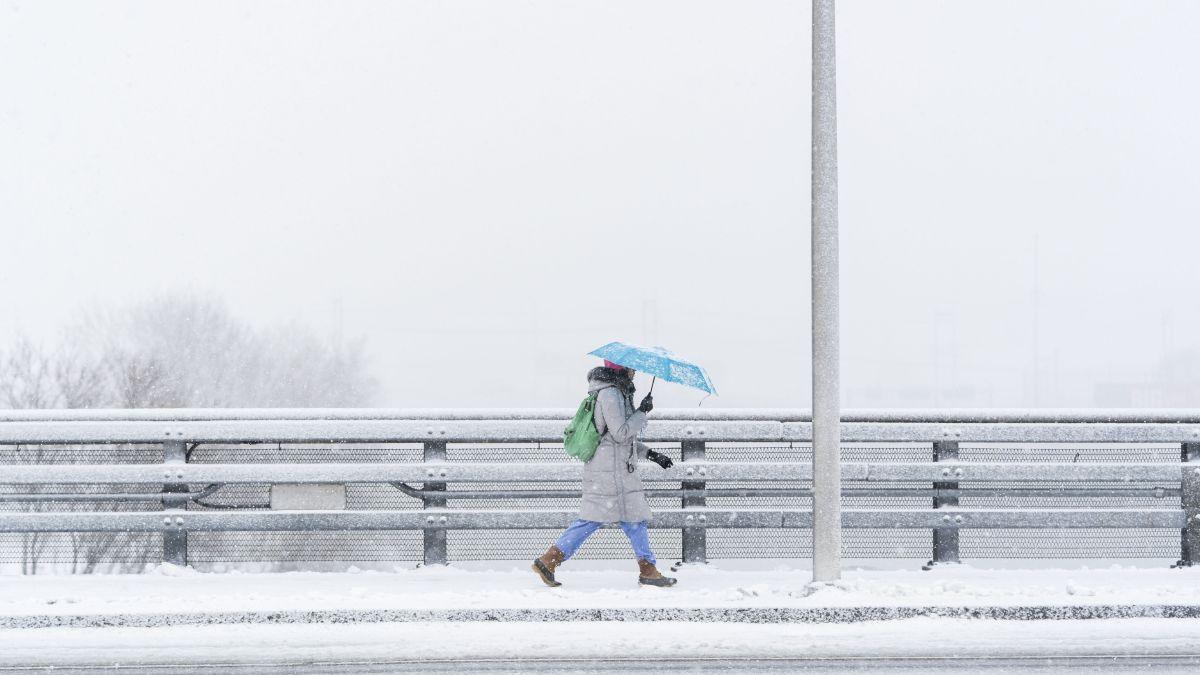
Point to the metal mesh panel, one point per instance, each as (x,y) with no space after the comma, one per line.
(1070,543)
(786,543)
(382,546)
(1073,543)
(880,543)
(758,543)
(234,547)
(81,551)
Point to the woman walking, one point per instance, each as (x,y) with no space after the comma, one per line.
(612,490)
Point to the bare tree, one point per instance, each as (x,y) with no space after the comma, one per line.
(174,350)
(185,350)
(26,377)
(79,381)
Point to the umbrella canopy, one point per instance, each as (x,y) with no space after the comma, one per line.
(658,362)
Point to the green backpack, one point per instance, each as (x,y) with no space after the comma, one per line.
(581,438)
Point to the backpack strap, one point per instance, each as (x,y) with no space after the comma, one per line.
(604,431)
(624,399)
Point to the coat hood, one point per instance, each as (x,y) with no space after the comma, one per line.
(602,378)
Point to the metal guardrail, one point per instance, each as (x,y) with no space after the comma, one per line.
(688,470)
(943,474)
(550,430)
(482,519)
(933,415)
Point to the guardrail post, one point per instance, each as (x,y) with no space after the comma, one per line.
(694,538)
(945,539)
(174,534)
(1189,497)
(435,540)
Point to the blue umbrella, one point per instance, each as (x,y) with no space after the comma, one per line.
(658,362)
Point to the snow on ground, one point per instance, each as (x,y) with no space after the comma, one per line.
(591,584)
(909,638)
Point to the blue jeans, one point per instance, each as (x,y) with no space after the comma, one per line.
(578,531)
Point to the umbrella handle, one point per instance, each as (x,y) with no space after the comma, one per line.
(651,392)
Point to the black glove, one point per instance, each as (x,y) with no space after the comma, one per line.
(647,404)
(660,459)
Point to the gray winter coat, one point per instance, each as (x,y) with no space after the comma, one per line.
(610,492)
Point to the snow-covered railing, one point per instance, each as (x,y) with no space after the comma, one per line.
(179,430)
(550,430)
(482,519)
(931,415)
(480,472)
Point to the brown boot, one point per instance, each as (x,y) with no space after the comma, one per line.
(649,575)
(544,566)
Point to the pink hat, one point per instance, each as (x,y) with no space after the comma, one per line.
(610,364)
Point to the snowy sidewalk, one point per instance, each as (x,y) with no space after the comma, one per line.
(726,610)
(744,591)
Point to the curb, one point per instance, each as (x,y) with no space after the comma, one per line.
(718,615)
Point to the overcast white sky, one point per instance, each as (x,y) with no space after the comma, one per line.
(486,190)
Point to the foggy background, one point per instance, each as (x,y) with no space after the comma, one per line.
(484,191)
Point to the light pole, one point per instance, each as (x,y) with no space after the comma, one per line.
(826,414)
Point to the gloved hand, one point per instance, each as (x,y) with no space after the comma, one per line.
(647,404)
(660,459)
